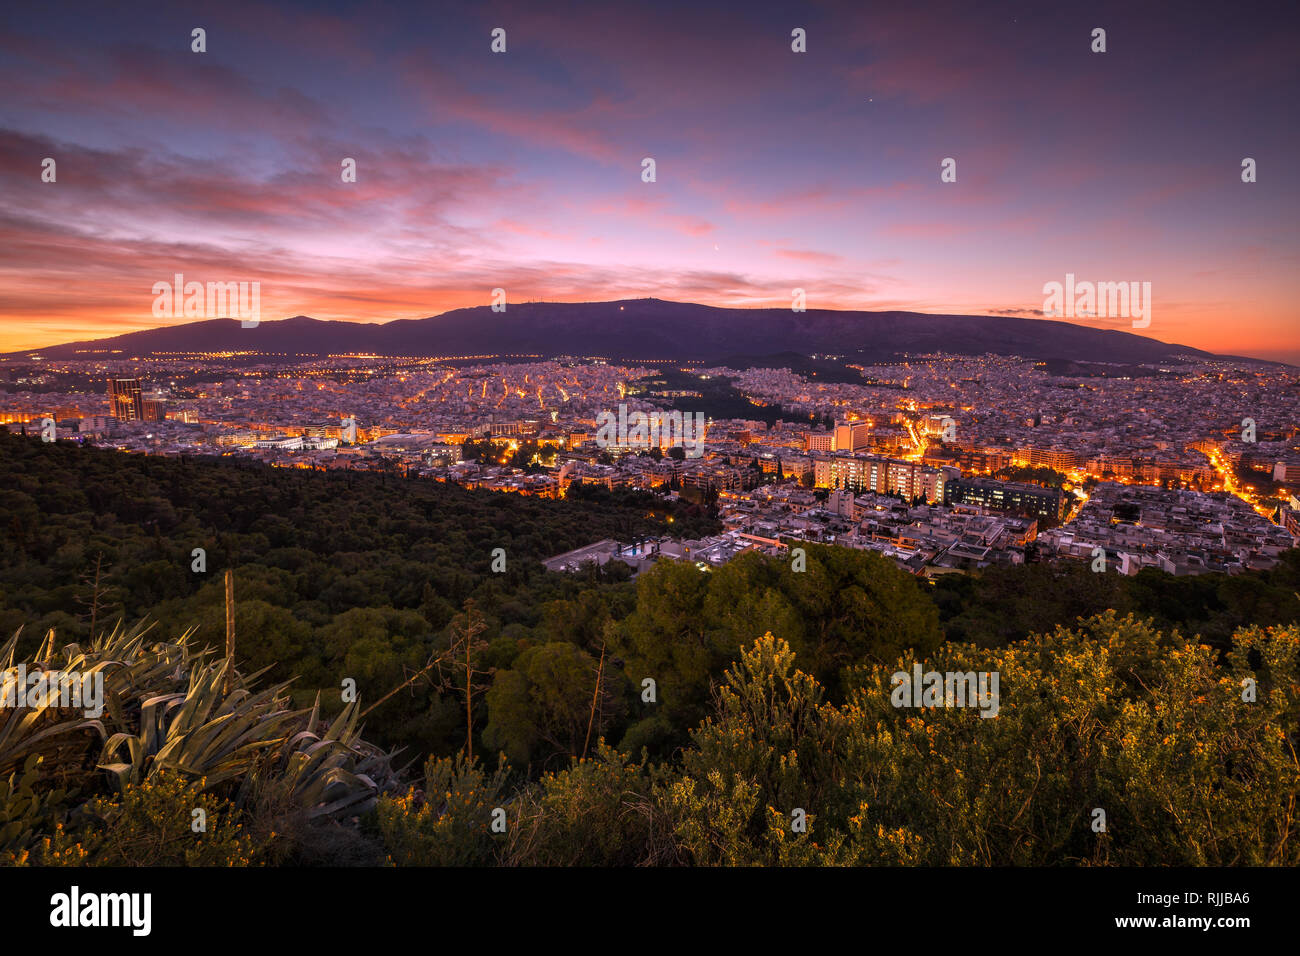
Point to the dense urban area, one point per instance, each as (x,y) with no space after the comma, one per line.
(941,463)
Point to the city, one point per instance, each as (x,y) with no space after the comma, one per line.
(942,463)
(709,441)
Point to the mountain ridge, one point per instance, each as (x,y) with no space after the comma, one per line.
(658,329)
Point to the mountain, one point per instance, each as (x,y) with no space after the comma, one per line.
(649,329)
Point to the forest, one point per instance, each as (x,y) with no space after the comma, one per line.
(474,715)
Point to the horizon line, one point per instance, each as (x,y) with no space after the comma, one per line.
(1030,316)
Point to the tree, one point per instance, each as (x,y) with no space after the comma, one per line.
(539,709)
(596,812)
(772,748)
(98,599)
(1113,715)
(667,640)
(465,646)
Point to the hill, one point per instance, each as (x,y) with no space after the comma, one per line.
(650,329)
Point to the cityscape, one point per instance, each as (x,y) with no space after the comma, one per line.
(940,462)
(460,450)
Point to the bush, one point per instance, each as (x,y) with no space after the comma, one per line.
(449,822)
(153,824)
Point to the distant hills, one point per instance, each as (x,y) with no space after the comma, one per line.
(650,329)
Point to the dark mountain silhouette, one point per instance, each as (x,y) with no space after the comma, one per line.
(650,329)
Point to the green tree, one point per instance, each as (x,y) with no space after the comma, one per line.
(540,708)
(769,754)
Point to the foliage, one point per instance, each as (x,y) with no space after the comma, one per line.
(338,574)
(773,689)
(169,715)
(448,823)
(1006,604)
(1112,715)
(767,753)
(688,625)
(24,812)
(154,824)
(600,811)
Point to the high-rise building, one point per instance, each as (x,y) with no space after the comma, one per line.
(910,479)
(852,436)
(1287,471)
(124,399)
(155,409)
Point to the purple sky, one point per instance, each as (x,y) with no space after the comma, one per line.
(775,169)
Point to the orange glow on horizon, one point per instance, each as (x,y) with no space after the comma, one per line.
(1273,337)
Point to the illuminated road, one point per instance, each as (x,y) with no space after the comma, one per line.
(1223,467)
(921,445)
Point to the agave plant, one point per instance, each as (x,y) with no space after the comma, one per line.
(202,732)
(133,670)
(168,707)
(250,737)
(335,772)
(60,736)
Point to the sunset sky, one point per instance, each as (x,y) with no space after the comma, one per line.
(775,170)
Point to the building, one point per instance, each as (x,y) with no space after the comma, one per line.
(911,479)
(1287,471)
(846,437)
(1013,496)
(280,443)
(154,409)
(92,424)
(1178,531)
(439,453)
(852,436)
(819,441)
(1291,518)
(1058,459)
(125,402)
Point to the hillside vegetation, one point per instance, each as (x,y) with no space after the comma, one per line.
(680,718)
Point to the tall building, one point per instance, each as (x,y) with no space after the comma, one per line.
(155,409)
(846,436)
(1288,471)
(1058,459)
(124,400)
(910,479)
(852,436)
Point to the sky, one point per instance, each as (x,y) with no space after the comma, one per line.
(774,170)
